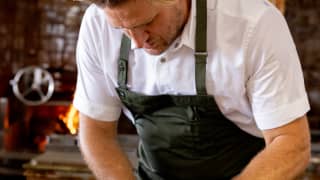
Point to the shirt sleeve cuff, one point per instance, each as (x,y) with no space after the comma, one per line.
(95,111)
(282,115)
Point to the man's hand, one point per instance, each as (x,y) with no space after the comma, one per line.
(286,155)
(100,148)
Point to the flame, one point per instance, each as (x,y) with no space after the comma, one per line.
(71,119)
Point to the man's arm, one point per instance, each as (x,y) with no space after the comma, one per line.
(100,148)
(285,156)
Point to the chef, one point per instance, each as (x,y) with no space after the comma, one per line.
(214,88)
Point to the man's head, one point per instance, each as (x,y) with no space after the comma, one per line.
(152,24)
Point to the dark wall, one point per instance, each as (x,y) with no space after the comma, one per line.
(39,32)
(42,33)
(303,17)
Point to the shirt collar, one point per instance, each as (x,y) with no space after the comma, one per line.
(188,33)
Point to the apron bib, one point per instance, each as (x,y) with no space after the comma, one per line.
(185,136)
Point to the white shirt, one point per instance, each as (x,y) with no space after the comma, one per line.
(253,70)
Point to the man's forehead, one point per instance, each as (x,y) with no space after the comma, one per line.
(131,14)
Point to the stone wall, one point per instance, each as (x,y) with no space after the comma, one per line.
(38,32)
(303,17)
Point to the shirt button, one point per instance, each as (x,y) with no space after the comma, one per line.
(122,94)
(163,60)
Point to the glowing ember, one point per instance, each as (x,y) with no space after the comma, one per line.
(71,119)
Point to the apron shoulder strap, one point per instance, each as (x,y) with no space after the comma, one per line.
(201,47)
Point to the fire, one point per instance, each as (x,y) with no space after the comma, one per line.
(71,119)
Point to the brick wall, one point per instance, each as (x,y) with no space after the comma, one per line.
(303,17)
(38,32)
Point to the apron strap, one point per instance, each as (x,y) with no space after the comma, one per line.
(123,62)
(201,47)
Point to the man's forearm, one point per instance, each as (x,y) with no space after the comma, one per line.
(102,152)
(107,161)
(285,157)
(277,163)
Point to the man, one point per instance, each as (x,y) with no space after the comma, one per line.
(214,88)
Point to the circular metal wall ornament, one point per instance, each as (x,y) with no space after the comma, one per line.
(33,85)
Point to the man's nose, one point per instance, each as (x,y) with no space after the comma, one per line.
(139,36)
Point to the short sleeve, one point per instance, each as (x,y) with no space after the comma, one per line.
(95,93)
(275,86)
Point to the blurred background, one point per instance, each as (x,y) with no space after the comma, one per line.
(43,33)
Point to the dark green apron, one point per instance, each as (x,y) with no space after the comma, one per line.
(185,136)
